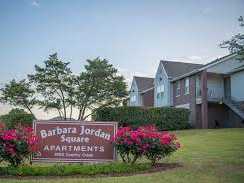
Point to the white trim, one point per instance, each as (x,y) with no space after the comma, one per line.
(203,68)
(217,62)
(144,91)
(164,69)
(186,106)
(188,91)
(178,88)
(185,75)
(133,81)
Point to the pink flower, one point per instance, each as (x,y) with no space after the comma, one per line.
(28,129)
(134,135)
(177,144)
(32,140)
(9,135)
(122,131)
(165,139)
(10,149)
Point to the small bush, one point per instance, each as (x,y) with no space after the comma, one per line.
(74,169)
(165,118)
(16,117)
(145,141)
(16,144)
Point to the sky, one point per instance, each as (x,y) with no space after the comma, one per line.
(132,34)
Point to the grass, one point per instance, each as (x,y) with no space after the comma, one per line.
(207,156)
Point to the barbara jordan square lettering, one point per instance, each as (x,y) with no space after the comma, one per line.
(69,141)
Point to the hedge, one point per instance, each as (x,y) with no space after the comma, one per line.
(74,169)
(165,118)
(15,117)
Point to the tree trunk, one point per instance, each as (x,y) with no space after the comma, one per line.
(28,108)
(60,114)
(64,106)
(79,115)
(71,112)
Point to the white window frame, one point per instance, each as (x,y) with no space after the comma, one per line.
(198,86)
(177,91)
(187,86)
(133,98)
(160,90)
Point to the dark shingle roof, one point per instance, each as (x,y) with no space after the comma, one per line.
(175,69)
(144,83)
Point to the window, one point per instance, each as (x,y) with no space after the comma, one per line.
(187,86)
(133,98)
(177,88)
(198,86)
(160,90)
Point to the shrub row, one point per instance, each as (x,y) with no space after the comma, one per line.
(16,117)
(74,169)
(145,141)
(165,118)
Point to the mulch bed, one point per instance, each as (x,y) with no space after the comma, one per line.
(159,167)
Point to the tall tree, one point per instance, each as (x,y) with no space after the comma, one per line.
(19,94)
(98,86)
(236,43)
(52,83)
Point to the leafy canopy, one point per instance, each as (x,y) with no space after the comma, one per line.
(17,117)
(236,43)
(53,83)
(98,86)
(18,94)
(54,86)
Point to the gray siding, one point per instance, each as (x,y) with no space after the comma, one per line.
(134,92)
(161,78)
(237,88)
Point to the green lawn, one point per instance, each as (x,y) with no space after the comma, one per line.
(209,156)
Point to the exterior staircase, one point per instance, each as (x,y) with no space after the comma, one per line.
(237,107)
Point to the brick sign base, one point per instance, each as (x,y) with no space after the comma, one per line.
(79,141)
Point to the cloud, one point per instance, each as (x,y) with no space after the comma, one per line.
(35,3)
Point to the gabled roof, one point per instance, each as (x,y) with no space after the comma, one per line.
(144,83)
(215,61)
(206,66)
(218,60)
(175,69)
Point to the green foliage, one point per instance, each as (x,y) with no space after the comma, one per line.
(56,87)
(75,169)
(16,117)
(236,43)
(98,86)
(144,141)
(208,155)
(18,94)
(53,84)
(16,145)
(165,118)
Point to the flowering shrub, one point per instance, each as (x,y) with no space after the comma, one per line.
(145,141)
(16,144)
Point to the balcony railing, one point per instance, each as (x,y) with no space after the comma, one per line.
(215,94)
